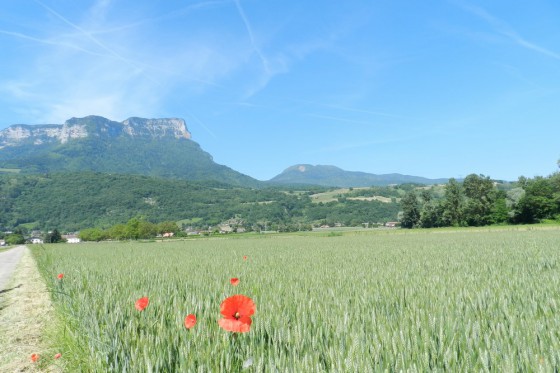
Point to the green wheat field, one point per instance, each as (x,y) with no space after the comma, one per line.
(432,300)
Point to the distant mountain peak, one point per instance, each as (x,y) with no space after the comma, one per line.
(332,176)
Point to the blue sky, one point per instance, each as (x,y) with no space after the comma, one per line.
(427,88)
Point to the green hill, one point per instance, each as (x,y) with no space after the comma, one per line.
(74,201)
(331,176)
(152,147)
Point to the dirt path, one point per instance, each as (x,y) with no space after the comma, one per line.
(25,315)
(8,262)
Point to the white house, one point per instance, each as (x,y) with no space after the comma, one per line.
(72,238)
(35,240)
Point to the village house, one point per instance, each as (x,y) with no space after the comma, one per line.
(391,224)
(71,238)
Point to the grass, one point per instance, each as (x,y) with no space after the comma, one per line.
(26,322)
(455,300)
(329,196)
(5,248)
(333,195)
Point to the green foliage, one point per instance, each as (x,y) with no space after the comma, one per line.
(76,201)
(15,239)
(453,204)
(480,197)
(92,234)
(53,237)
(411,210)
(540,201)
(500,213)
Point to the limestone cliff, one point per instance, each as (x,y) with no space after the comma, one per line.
(76,128)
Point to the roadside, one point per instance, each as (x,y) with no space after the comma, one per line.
(8,261)
(25,314)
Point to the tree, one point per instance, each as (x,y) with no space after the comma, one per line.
(410,210)
(426,195)
(479,192)
(53,237)
(538,202)
(118,232)
(430,216)
(500,211)
(92,234)
(15,239)
(167,226)
(453,204)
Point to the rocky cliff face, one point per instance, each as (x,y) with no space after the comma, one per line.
(39,134)
(76,128)
(156,127)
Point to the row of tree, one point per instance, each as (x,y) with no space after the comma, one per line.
(136,228)
(477,201)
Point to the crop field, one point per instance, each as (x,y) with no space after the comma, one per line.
(433,300)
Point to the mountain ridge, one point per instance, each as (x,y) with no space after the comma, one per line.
(153,147)
(92,125)
(158,147)
(332,176)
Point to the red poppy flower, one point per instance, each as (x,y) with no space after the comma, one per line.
(34,357)
(141,303)
(237,311)
(57,356)
(60,276)
(190,321)
(244,257)
(234,281)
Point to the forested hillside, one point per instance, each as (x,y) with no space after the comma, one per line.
(73,201)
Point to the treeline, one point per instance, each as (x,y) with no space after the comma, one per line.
(478,201)
(136,228)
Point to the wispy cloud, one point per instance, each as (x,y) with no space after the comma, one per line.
(252,37)
(89,36)
(203,125)
(95,66)
(52,42)
(504,29)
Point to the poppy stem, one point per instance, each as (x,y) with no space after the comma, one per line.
(236,350)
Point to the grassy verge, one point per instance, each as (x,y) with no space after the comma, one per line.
(26,321)
(5,248)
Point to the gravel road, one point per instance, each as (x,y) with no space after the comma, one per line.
(8,262)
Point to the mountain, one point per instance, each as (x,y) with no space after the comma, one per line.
(335,177)
(152,147)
